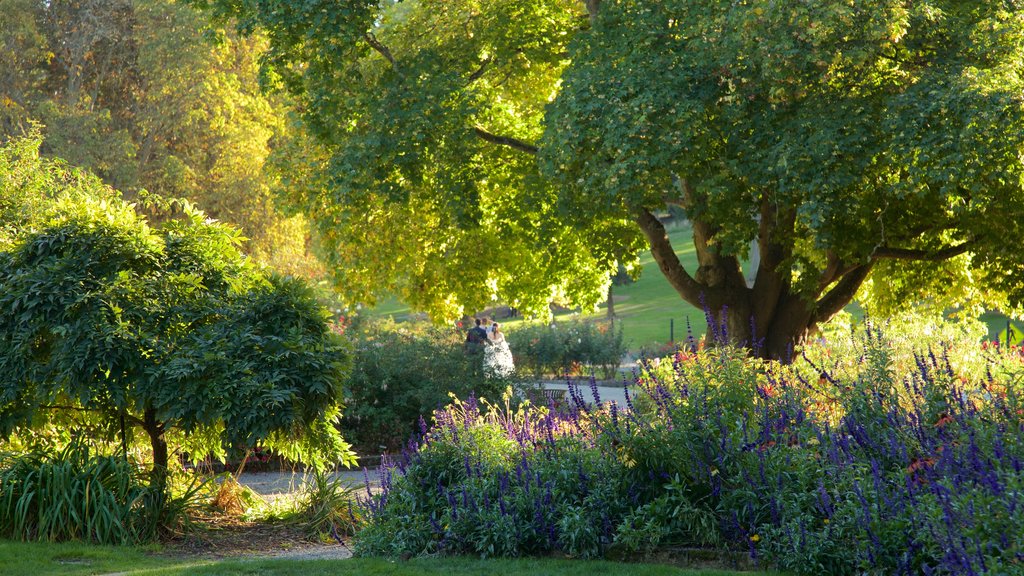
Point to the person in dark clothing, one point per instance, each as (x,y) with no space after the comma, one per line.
(476,338)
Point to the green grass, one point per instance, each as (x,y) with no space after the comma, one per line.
(70,559)
(649,306)
(391,307)
(650,310)
(73,559)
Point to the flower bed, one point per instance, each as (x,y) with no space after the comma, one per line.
(860,457)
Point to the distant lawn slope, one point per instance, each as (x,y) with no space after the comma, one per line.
(648,306)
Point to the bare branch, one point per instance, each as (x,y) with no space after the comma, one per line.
(666,258)
(480,71)
(382,49)
(127,416)
(841,294)
(505,141)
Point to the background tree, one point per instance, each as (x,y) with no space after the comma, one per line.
(847,139)
(148,95)
(169,328)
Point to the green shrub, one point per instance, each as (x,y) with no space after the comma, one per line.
(863,457)
(75,495)
(573,348)
(328,507)
(402,373)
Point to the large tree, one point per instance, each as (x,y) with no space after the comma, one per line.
(148,95)
(847,139)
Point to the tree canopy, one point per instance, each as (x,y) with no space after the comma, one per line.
(149,95)
(470,149)
(171,328)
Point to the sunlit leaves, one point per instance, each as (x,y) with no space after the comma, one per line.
(103,313)
(883,124)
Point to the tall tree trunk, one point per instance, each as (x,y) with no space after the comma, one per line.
(611,304)
(155,430)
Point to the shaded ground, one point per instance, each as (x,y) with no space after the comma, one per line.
(228,536)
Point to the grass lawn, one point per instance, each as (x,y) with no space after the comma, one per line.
(40,559)
(650,309)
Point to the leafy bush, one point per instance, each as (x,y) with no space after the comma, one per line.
(401,374)
(167,329)
(863,457)
(568,349)
(75,495)
(328,507)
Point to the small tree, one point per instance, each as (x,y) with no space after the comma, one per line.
(167,328)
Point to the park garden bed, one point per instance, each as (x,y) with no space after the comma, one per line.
(895,451)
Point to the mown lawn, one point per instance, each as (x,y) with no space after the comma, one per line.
(40,559)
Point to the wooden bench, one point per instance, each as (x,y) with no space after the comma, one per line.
(547,396)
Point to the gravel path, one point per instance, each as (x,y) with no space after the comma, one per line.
(275,485)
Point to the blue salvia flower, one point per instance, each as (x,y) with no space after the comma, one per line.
(824,501)
(366,482)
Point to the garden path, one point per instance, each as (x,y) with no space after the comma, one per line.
(607,393)
(274,485)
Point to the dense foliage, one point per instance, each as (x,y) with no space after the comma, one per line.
(72,494)
(147,94)
(401,373)
(170,330)
(572,348)
(890,452)
(524,150)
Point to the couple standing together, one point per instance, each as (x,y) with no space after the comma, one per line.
(497,356)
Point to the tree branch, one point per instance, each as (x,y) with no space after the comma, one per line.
(841,294)
(480,71)
(666,258)
(505,141)
(884,252)
(127,416)
(382,49)
(716,270)
(772,280)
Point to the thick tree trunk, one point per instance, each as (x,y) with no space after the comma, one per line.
(611,304)
(155,430)
(768,318)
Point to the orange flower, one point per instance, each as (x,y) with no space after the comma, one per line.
(920,463)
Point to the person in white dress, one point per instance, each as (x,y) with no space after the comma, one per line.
(497,356)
